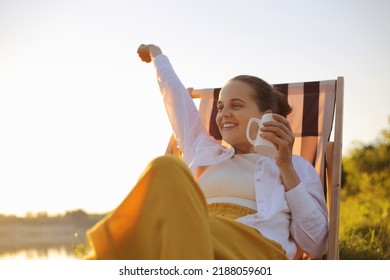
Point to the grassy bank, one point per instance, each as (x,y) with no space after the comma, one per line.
(365,227)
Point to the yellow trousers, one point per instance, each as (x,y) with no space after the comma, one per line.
(165,216)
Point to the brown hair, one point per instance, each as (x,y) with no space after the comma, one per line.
(266,97)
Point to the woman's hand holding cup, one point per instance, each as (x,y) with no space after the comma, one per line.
(260,144)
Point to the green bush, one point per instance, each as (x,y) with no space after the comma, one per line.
(365,205)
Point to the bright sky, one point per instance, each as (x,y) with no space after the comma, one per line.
(81,115)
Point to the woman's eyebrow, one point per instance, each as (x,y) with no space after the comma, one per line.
(237,99)
(232,100)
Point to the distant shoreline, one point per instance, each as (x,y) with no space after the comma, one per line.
(69,230)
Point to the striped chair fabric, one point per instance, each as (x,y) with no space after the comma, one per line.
(316,107)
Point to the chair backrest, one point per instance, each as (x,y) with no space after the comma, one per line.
(317,112)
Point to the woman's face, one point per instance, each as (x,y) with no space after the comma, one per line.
(236,105)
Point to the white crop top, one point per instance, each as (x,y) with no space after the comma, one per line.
(231,181)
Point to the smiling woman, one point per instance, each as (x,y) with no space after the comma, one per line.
(238,204)
(235,107)
(76,107)
(242,98)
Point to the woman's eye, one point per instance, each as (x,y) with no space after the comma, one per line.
(236,106)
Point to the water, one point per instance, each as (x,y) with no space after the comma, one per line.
(48,253)
(24,241)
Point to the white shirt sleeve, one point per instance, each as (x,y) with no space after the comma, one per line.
(190,133)
(309,223)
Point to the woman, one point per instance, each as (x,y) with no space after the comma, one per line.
(231,203)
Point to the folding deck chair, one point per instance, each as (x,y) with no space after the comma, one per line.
(316,107)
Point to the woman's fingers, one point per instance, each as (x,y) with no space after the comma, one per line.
(279,132)
(281,127)
(144,53)
(284,121)
(148,52)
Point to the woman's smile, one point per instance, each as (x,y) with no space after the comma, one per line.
(229,125)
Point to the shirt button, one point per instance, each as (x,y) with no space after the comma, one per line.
(258,180)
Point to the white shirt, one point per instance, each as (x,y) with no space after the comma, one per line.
(297,217)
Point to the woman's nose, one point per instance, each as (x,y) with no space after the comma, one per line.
(226,112)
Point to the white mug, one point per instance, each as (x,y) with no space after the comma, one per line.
(261,145)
